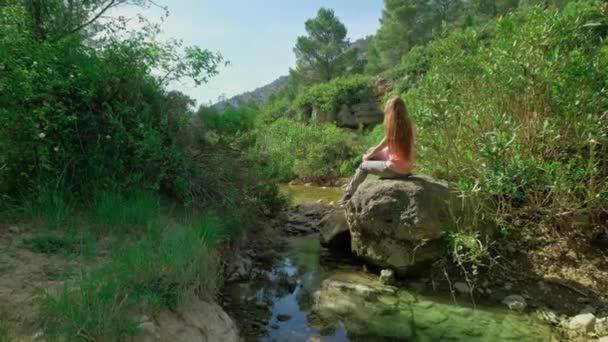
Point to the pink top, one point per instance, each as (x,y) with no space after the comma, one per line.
(397,163)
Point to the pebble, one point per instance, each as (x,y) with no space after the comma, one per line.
(387,277)
(547,315)
(583,323)
(14,230)
(462,288)
(601,326)
(515,302)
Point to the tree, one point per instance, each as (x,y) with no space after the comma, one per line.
(56,19)
(323,54)
(404,23)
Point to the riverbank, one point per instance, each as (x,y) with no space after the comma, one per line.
(287,271)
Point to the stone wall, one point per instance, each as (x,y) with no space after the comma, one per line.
(353,116)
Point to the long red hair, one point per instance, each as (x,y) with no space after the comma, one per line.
(398,128)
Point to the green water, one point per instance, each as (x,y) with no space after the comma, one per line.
(302,193)
(334,300)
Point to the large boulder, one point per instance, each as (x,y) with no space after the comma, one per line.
(197,321)
(398,224)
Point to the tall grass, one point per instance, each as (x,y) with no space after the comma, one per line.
(159,271)
(114,210)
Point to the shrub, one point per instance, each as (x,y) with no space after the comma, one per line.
(313,152)
(513,113)
(328,97)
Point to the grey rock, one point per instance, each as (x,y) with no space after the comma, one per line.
(547,315)
(582,323)
(588,309)
(334,233)
(387,277)
(398,224)
(196,321)
(515,302)
(601,326)
(240,268)
(418,286)
(462,288)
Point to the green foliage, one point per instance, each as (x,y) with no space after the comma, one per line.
(229,121)
(313,152)
(328,97)
(323,54)
(94,118)
(514,113)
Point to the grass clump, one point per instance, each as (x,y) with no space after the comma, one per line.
(158,271)
(114,210)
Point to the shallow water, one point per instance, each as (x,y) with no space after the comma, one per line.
(302,193)
(332,299)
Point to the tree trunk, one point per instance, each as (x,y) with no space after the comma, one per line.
(36,9)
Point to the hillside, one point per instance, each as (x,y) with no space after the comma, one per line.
(259,95)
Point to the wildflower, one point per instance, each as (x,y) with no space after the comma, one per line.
(41,135)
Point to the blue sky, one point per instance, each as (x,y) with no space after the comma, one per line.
(256,36)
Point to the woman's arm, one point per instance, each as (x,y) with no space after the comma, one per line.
(375,150)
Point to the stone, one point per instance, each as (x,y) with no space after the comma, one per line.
(240,268)
(601,326)
(334,233)
(582,323)
(547,315)
(312,209)
(283,317)
(515,303)
(418,286)
(399,223)
(462,288)
(147,329)
(387,277)
(587,309)
(603,339)
(197,321)
(14,230)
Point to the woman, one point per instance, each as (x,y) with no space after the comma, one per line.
(394,156)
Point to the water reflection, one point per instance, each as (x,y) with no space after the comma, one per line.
(332,303)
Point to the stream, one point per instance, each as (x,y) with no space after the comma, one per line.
(311,294)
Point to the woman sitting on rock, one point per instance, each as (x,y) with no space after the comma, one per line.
(394,156)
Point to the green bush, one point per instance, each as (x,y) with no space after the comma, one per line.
(328,97)
(313,152)
(514,112)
